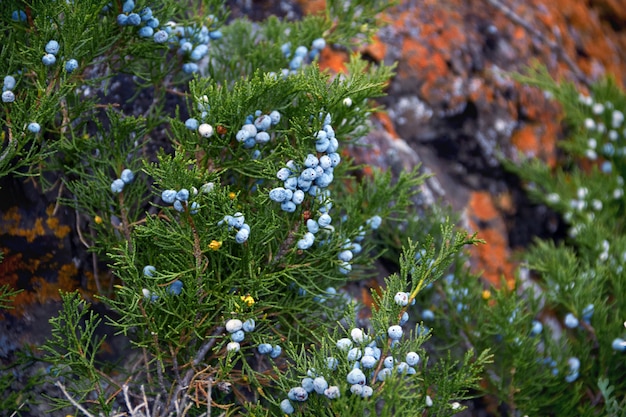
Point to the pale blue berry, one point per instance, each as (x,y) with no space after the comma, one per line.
(178,206)
(311,161)
(402,368)
(298,197)
(48,60)
(283,174)
(332,392)
(215,35)
(324,220)
(34,127)
(307,384)
(264,348)
(205,130)
(312,226)
(168,196)
(262,138)
(389,362)
(8,96)
(344,344)
(298,394)
(331,363)
(160,36)
(356,389)
(301,51)
(537,328)
(587,312)
(374,222)
(367,391)
(320,384)
(190,67)
(368,361)
(263,122)
(333,145)
(384,374)
(322,145)
(412,358)
(345,255)
(149,271)
(275,117)
(248,325)
(571,321)
(233,347)
(428,315)
(278,194)
(127,176)
(153,22)
(242,235)
(233,325)
(345,267)
(182,195)
(319,44)
(288,206)
(52,47)
(286,407)
(133,19)
(276,351)
(71,65)
(354,354)
(122,19)
(401,298)
(404,318)
(191,124)
(356,376)
(619,344)
(146,14)
(9,83)
(117,186)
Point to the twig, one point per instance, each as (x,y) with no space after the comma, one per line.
(554,46)
(71,400)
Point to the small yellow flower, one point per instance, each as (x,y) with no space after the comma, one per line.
(232,195)
(486,294)
(248,300)
(215,245)
(97,219)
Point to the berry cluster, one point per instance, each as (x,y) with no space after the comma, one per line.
(52,49)
(238,330)
(237,221)
(365,357)
(150,23)
(173,288)
(180,199)
(193,42)
(301,56)
(126,177)
(7,89)
(255,130)
(267,349)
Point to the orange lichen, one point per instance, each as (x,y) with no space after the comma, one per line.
(332,60)
(481,206)
(312,6)
(377,49)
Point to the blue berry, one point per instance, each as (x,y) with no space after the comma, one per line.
(248,325)
(356,376)
(48,60)
(427,314)
(178,206)
(368,361)
(34,127)
(52,47)
(133,20)
(175,287)
(374,222)
(160,36)
(286,407)
(71,65)
(153,23)
(8,96)
(191,124)
(128,6)
(291,183)
(190,67)
(587,312)
(321,145)
(263,122)
(324,220)
(233,325)
(215,35)
(389,362)
(320,384)
(149,271)
(276,351)
(278,194)
(18,15)
(288,206)
(401,298)
(122,19)
(298,197)
(242,235)
(331,363)
(571,321)
(412,358)
(344,344)
(298,394)
(537,328)
(117,186)
(619,344)
(312,226)
(233,347)
(182,195)
(404,318)
(237,336)
(264,348)
(9,83)
(301,51)
(319,44)
(146,14)
(205,130)
(354,354)
(168,196)
(275,117)
(262,138)
(127,176)
(146,32)
(193,209)
(332,392)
